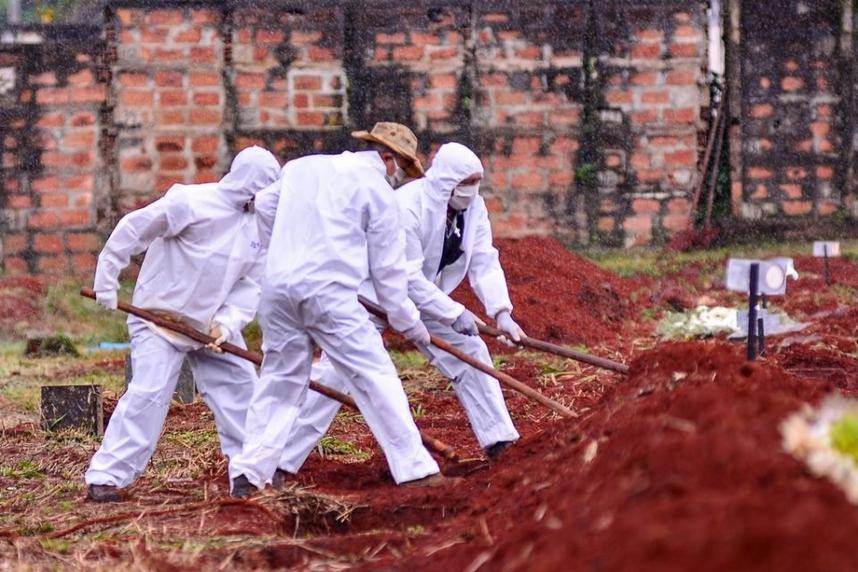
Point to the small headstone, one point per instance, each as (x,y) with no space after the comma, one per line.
(72,407)
(185,388)
(828,248)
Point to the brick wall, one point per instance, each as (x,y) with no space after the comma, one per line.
(589,116)
(50,122)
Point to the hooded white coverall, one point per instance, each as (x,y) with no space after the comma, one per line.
(203,267)
(423,214)
(331,220)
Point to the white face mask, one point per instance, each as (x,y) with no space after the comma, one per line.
(397,178)
(463,196)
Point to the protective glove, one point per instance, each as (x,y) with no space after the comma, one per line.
(417,334)
(221,334)
(108,299)
(466,324)
(508,326)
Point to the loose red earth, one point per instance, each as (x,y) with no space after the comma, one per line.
(677,466)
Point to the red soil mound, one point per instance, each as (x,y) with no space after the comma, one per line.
(558,296)
(19,299)
(679,468)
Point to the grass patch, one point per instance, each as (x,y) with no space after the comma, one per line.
(22,470)
(844,436)
(332,446)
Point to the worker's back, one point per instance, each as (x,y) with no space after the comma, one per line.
(325,208)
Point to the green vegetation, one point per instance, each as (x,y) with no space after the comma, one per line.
(844,435)
(329,446)
(22,470)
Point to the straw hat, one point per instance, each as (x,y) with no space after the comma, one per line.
(400,139)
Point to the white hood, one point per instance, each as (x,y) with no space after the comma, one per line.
(253,169)
(452,164)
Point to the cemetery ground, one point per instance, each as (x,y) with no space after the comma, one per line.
(679,463)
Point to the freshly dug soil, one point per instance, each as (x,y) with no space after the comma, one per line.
(679,468)
(19,300)
(558,296)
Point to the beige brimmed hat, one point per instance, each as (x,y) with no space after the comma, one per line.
(400,139)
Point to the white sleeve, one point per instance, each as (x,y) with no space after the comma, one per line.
(164,218)
(429,299)
(385,241)
(241,303)
(265,206)
(485,273)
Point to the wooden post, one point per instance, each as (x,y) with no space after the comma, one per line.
(72,406)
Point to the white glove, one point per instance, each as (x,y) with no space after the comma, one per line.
(466,324)
(108,299)
(417,334)
(508,326)
(221,334)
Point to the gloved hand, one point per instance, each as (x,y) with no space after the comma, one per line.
(108,299)
(221,334)
(508,326)
(417,334)
(466,324)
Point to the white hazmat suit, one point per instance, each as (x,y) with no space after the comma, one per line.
(423,214)
(203,267)
(332,219)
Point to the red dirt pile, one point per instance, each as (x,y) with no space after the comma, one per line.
(558,296)
(679,468)
(19,300)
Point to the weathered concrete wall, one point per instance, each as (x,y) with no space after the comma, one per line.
(588,115)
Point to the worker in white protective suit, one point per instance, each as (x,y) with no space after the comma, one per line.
(203,267)
(448,237)
(332,219)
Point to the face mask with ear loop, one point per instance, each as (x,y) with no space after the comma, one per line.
(463,196)
(398,177)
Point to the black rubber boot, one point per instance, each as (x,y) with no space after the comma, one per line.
(242,488)
(278,481)
(496,450)
(103,493)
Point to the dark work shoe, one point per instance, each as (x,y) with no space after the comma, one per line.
(103,493)
(242,487)
(496,450)
(278,481)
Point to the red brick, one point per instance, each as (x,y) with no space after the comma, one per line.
(824,172)
(94,94)
(606,224)
(649,35)
(675,222)
(170,144)
(645,78)
(169,79)
(52,96)
(509,98)
(683,50)
(255,81)
(83,119)
(80,139)
(14,243)
(165,17)
(207,98)
(762,110)
(790,83)
(44,219)
(529,181)
(797,208)
(820,129)
(681,77)
(48,243)
(308,82)
(680,116)
(424,39)
(82,200)
(407,53)
(204,79)
(646,51)
(190,36)
(137,164)
(311,118)
(397,38)
(15,265)
(655,97)
(638,224)
(130,79)
(207,17)
(206,117)
(82,78)
(640,161)
(18,202)
(202,55)
(644,116)
(678,206)
(795,173)
(791,190)
(136,98)
(524,147)
(301,100)
(205,144)
(616,97)
(173,98)
(759,173)
(529,53)
(172,117)
(317,54)
(686,158)
(79,183)
(156,36)
(51,120)
(443,80)
(52,264)
(826,208)
(273,99)
(173,163)
(645,206)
